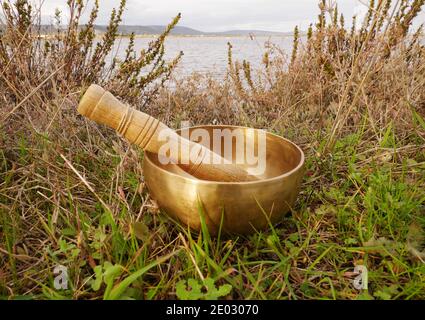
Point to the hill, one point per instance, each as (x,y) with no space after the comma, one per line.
(178,30)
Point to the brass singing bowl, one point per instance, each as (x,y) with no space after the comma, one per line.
(239,207)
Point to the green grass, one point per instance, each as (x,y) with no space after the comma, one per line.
(72,193)
(362,204)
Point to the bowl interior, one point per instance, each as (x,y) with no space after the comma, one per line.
(260,149)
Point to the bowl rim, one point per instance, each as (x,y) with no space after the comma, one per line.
(200,181)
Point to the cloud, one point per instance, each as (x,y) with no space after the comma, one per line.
(217,15)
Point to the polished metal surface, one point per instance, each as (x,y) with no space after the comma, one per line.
(245,206)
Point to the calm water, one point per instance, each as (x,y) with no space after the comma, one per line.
(209,54)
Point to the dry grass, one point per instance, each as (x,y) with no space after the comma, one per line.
(72,193)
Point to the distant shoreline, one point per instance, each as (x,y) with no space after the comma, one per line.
(206,35)
(145,36)
(177,31)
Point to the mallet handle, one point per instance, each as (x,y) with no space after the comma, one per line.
(147,132)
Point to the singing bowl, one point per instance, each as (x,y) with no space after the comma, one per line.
(238,207)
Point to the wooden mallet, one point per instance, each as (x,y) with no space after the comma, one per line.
(147,132)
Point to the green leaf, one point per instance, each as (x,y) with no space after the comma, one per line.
(418,119)
(387,292)
(141,231)
(119,289)
(68,232)
(214,293)
(365,296)
(98,278)
(193,289)
(204,227)
(111,273)
(351,241)
(190,292)
(293,237)
(385,142)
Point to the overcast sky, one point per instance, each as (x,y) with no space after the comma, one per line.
(218,15)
